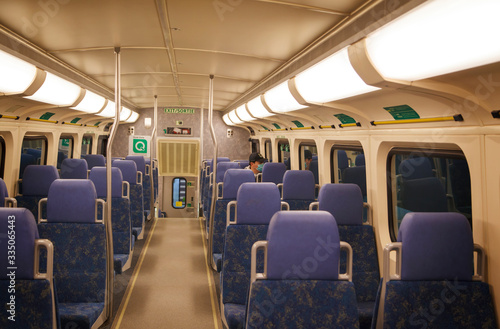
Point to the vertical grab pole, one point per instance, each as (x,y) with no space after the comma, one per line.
(109,229)
(152,212)
(202,138)
(214,170)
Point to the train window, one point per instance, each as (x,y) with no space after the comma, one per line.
(34,151)
(64,149)
(86,145)
(308,159)
(255,146)
(179,193)
(268,150)
(102,144)
(284,153)
(2,156)
(427,181)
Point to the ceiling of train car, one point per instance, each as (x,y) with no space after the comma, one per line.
(170,47)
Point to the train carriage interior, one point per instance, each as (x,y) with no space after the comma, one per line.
(231,164)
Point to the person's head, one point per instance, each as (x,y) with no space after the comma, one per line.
(308,158)
(256,162)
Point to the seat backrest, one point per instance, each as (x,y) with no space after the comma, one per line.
(128,169)
(273,172)
(436,286)
(298,185)
(415,168)
(209,162)
(360,160)
(343,201)
(95,160)
(139,161)
(37,179)
(222,167)
(4,193)
(257,203)
(303,251)
(98,177)
(74,169)
(342,160)
(313,167)
(233,178)
(243,163)
(356,175)
(71,200)
(424,195)
(26,160)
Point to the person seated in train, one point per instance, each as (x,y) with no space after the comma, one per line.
(308,158)
(256,162)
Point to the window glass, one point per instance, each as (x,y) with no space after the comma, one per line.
(179,193)
(2,156)
(102,144)
(308,159)
(284,153)
(86,145)
(64,149)
(427,181)
(34,151)
(269,151)
(255,146)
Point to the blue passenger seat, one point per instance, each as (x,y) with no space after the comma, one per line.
(74,169)
(207,193)
(123,242)
(26,160)
(4,196)
(95,160)
(34,304)
(256,204)
(134,178)
(146,179)
(273,172)
(298,189)
(79,240)
(35,186)
(438,285)
(233,178)
(345,203)
(301,286)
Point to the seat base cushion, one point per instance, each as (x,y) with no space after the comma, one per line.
(79,315)
(235,315)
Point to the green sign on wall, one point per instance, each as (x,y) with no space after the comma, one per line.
(140,146)
(181,111)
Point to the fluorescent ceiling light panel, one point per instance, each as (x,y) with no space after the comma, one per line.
(16,75)
(280,99)
(234,118)
(91,103)
(436,38)
(56,91)
(133,117)
(331,79)
(257,109)
(125,113)
(109,111)
(226,120)
(242,112)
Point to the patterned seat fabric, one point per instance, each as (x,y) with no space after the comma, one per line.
(256,204)
(436,289)
(207,193)
(233,179)
(345,203)
(146,179)
(129,173)
(120,213)
(79,251)
(35,186)
(74,169)
(34,299)
(298,189)
(302,289)
(4,193)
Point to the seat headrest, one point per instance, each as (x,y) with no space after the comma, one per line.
(128,169)
(273,172)
(74,169)
(257,203)
(4,193)
(37,179)
(342,160)
(95,160)
(298,185)
(222,167)
(243,163)
(26,231)
(424,195)
(139,161)
(303,245)
(98,177)
(71,201)
(436,246)
(360,160)
(343,201)
(414,168)
(355,175)
(233,178)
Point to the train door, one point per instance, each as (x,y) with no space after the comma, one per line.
(268,150)
(284,152)
(86,145)
(178,163)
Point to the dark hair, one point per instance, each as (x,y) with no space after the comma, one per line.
(308,154)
